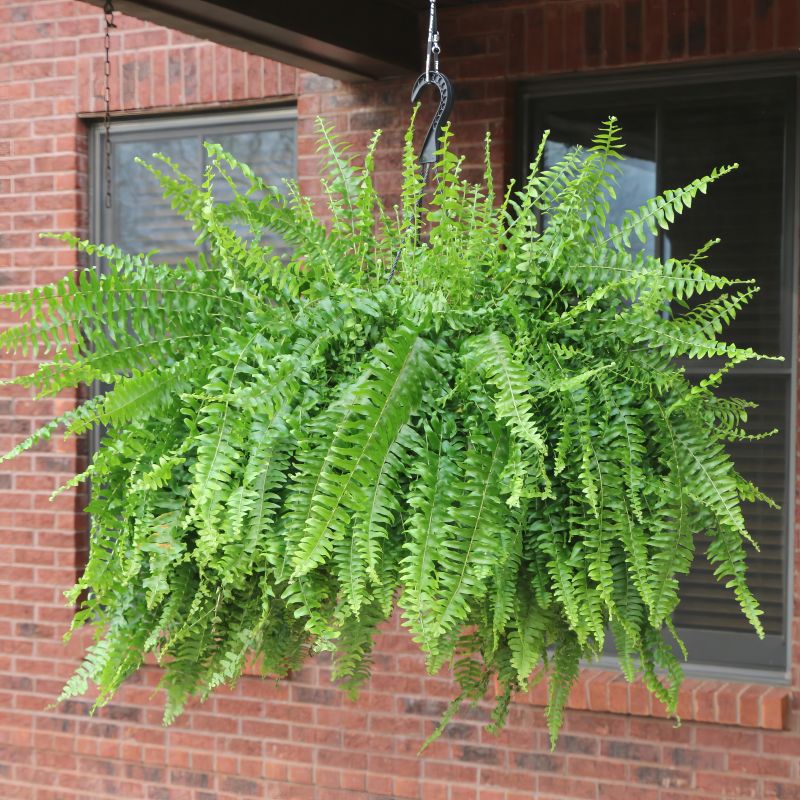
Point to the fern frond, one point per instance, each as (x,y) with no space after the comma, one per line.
(466,556)
(383,403)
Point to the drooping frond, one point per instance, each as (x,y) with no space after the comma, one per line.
(466,556)
(382,402)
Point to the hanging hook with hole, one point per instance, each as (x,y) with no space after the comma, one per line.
(432,77)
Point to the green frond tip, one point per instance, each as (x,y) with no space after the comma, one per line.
(498,440)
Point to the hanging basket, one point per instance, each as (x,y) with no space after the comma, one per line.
(499,440)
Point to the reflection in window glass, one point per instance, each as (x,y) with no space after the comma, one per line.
(141,220)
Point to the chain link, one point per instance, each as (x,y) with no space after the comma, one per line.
(108,11)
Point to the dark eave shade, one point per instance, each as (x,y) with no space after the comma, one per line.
(349,40)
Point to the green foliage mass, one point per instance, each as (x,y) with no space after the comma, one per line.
(498,439)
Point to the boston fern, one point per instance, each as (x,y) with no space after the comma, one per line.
(494,432)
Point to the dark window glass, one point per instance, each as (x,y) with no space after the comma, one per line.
(745,209)
(672,136)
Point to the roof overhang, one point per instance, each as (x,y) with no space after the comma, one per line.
(353,40)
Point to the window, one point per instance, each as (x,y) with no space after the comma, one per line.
(140,219)
(675,132)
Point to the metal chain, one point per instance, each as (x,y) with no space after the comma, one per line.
(108,11)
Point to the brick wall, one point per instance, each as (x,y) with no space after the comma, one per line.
(302,739)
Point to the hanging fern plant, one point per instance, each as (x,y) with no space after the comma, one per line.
(498,439)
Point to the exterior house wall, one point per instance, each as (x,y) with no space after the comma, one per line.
(302,739)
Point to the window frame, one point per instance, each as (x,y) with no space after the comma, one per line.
(531,94)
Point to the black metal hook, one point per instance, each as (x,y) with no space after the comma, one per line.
(440,118)
(431,77)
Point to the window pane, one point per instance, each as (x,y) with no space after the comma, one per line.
(637,182)
(271,154)
(674,135)
(140,219)
(744,209)
(707,604)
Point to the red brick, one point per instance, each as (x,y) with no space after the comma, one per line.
(597,692)
(637,752)
(641,701)
(611,791)
(593,34)
(742,18)
(379,784)
(787,744)
(697,27)
(524,781)
(726,700)
(765,23)
(711,760)
(567,787)
(633,33)
(450,772)
(554,33)
(598,768)
(655,26)
(781,790)
(515,49)
(788,26)
(775,709)
(750,702)
(613,34)
(759,765)
(721,785)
